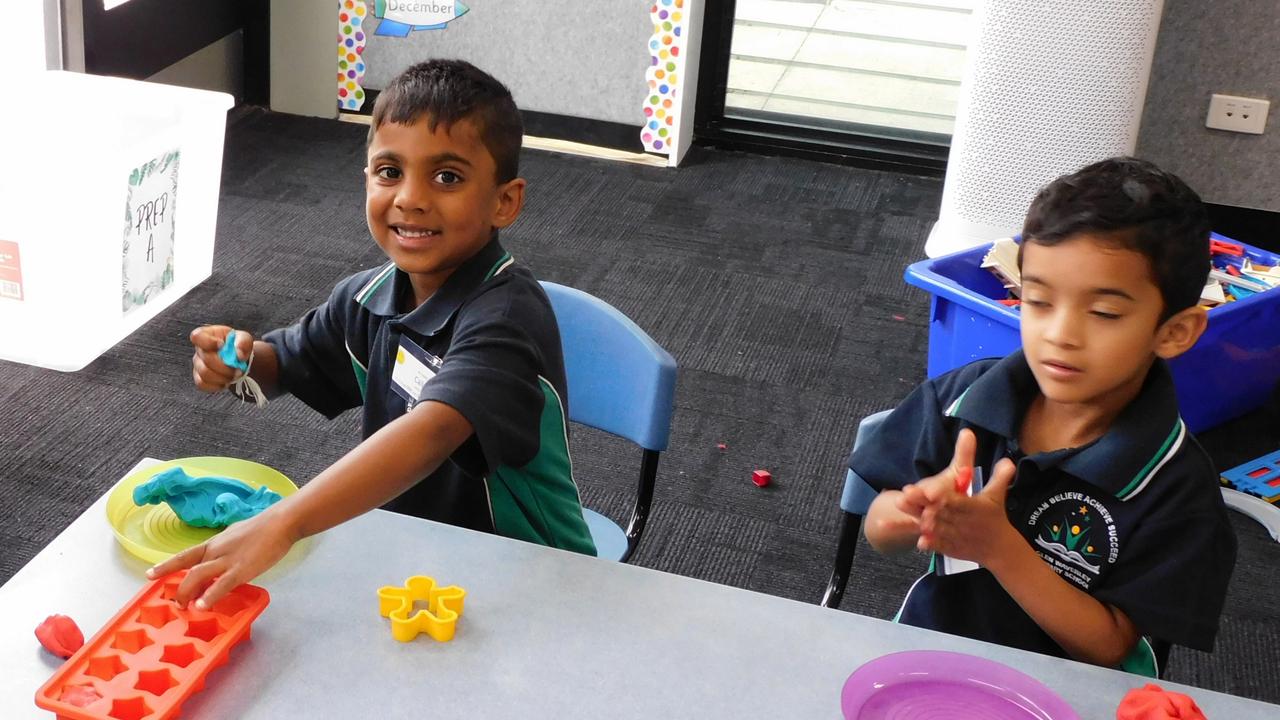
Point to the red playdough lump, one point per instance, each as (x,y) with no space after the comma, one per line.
(1152,702)
(60,635)
(79,695)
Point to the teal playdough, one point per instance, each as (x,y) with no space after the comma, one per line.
(227,354)
(211,502)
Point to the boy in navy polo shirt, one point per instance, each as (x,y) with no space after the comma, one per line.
(451,349)
(1102,525)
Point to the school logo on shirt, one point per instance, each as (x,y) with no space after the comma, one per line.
(1076,535)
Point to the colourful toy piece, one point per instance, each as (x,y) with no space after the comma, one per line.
(1260,478)
(761,478)
(60,635)
(1224,247)
(439,619)
(211,502)
(148,659)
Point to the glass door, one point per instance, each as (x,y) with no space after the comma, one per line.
(868,73)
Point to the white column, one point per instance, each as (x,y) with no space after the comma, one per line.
(672,78)
(1048,87)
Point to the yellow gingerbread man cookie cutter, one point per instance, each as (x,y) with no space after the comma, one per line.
(439,619)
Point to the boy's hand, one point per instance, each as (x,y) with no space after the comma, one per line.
(207,369)
(238,554)
(954,480)
(971,528)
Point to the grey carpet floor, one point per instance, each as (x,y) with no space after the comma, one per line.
(776,284)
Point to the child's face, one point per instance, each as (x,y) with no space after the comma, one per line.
(432,199)
(1091,321)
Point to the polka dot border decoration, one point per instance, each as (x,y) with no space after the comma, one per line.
(666,67)
(351,40)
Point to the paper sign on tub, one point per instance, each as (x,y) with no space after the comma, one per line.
(10,270)
(147,249)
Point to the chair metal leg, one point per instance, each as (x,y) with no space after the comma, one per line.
(848,544)
(644,497)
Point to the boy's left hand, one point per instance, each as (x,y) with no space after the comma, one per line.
(970,528)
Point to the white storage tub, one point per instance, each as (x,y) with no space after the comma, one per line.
(108,206)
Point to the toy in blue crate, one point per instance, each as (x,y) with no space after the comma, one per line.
(1229,372)
(1260,477)
(1235,275)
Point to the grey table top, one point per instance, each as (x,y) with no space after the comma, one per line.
(545,634)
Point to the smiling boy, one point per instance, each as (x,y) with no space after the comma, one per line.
(1102,528)
(451,349)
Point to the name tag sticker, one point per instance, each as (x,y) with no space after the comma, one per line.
(412,370)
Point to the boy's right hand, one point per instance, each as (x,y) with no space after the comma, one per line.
(237,555)
(920,495)
(207,369)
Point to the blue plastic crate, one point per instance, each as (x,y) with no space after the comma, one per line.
(1231,370)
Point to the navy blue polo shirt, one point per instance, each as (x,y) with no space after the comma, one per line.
(1134,518)
(492,331)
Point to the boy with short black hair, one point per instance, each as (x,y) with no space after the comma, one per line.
(1102,524)
(452,349)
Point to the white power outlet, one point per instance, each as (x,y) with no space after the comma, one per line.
(1237,114)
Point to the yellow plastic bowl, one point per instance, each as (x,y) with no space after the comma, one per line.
(153,532)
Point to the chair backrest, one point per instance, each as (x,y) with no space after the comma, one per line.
(620,380)
(857,495)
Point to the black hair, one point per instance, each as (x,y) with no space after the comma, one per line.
(1139,207)
(446,91)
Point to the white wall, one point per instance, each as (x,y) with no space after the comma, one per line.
(1204,48)
(26,47)
(303,61)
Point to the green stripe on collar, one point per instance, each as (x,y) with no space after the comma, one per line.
(499,266)
(1170,446)
(367,291)
(955,406)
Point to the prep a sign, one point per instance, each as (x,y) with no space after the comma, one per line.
(401,16)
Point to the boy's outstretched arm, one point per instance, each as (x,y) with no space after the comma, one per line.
(977,528)
(375,471)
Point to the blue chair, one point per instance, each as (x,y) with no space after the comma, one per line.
(854,502)
(621,382)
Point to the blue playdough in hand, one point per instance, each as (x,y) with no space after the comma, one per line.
(227,354)
(212,502)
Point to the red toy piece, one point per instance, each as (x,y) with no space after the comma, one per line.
(1225,248)
(761,478)
(964,476)
(60,635)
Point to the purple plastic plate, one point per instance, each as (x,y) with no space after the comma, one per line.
(932,685)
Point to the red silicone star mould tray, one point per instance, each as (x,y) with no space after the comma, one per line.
(149,658)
